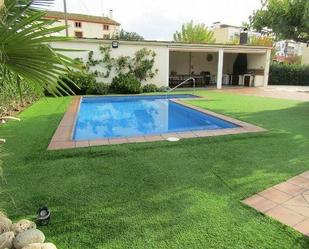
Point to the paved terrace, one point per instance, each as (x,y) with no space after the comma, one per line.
(287,202)
(300,93)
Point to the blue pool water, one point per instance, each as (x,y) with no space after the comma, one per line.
(128,116)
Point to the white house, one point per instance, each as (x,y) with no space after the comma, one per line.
(207,63)
(288,48)
(284,49)
(225,33)
(85,26)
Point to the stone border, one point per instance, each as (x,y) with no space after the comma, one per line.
(62,139)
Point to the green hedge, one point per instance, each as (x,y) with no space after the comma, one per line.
(289,74)
(10,99)
(85,81)
(126,84)
(150,88)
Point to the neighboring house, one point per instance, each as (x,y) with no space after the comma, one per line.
(225,33)
(288,48)
(285,50)
(86,26)
(288,51)
(209,64)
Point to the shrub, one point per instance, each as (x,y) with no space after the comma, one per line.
(13,99)
(140,65)
(84,80)
(102,88)
(164,89)
(126,83)
(289,74)
(149,88)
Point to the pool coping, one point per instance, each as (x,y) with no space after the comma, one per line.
(62,138)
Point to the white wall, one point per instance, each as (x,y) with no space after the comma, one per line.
(161,59)
(200,63)
(305,55)
(167,61)
(256,61)
(89,29)
(228,62)
(180,62)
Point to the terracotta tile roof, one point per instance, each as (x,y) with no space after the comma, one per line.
(81,17)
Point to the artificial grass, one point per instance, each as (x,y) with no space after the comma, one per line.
(158,195)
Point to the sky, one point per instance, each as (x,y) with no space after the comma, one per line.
(159,19)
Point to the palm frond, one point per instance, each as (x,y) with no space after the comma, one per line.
(24,46)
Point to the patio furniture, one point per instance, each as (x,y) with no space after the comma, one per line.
(206,77)
(226,79)
(176,79)
(213,79)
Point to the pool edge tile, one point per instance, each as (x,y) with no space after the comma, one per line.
(154,138)
(61,138)
(118,140)
(82,144)
(137,139)
(98,142)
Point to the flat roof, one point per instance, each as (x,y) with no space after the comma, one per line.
(172,44)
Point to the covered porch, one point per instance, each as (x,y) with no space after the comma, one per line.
(218,67)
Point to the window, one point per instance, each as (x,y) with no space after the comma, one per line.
(78,34)
(78,24)
(106,27)
(106,37)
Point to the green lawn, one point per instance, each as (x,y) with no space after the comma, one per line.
(158,195)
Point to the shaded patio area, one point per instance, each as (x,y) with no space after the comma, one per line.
(218,67)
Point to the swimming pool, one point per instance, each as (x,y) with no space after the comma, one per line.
(131,116)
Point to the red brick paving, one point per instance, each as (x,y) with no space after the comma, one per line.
(287,202)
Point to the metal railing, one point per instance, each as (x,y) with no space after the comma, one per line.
(180,84)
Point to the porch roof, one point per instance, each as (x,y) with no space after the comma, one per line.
(180,46)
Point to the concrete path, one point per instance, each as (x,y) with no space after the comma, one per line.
(300,93)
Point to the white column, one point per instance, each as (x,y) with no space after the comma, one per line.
(168,67)
(220,68)
(266,69)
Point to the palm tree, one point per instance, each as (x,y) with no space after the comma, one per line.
(194,33)
(25,54)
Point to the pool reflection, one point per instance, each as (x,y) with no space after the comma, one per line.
(109,119)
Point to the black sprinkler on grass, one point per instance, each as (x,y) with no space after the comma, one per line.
(43,216)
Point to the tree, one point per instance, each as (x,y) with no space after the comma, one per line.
(25,54)
(128,36)
(287,19)
(194,33)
